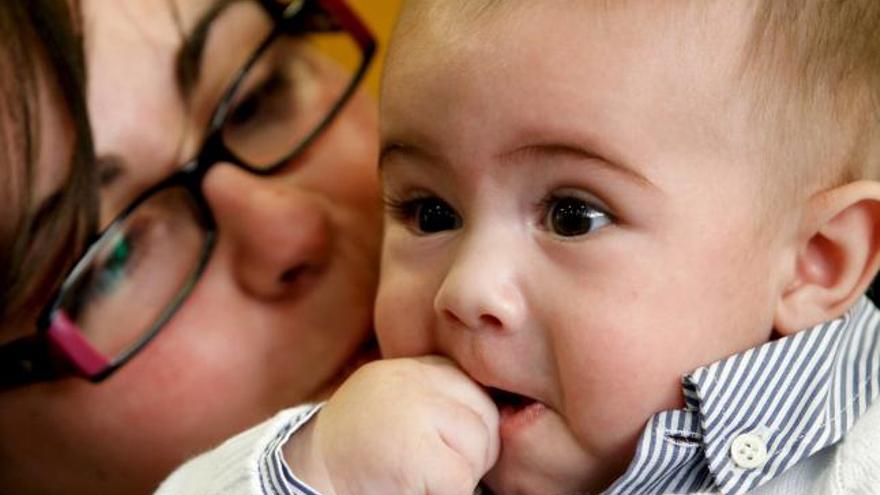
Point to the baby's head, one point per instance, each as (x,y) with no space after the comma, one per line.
(589,199)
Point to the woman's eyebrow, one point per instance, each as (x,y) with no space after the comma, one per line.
(110,168)
(189,56)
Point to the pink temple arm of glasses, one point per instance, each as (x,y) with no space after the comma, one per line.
(66,337)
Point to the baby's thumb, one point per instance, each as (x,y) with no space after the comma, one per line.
(470,433)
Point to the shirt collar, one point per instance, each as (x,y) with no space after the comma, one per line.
(751,416)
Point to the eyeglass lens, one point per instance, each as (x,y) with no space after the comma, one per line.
(288,92)
(134,274)
(145,263)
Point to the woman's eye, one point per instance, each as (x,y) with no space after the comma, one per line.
(116,266)
(570,217)
(244,111)
(260,102)
(119,255)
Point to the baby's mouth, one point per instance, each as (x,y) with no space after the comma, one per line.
(509,403)
(516,412)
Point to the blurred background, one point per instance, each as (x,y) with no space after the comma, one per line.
(379,15)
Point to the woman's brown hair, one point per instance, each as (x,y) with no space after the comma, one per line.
(39,242)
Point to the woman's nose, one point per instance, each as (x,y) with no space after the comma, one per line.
(481,290)
(275,232)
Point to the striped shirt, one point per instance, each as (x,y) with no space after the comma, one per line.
(750,417)
(747,419)
(275,475)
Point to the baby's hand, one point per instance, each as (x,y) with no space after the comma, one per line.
(403,426)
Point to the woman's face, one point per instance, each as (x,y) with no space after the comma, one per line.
(284,306)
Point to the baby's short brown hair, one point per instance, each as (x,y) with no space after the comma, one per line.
(815,68)
(812,69)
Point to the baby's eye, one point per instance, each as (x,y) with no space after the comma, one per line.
(569,216)
(435,215)
(426,215)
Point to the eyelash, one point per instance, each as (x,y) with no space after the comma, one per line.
(424,214)
(546,204)
(403,208)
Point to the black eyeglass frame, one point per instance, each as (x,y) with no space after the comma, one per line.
(41,356)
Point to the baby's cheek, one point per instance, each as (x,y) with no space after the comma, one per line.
(610,391)
(402,319)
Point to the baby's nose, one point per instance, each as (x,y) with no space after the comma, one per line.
(481,289)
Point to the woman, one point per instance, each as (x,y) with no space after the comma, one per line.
(255,290)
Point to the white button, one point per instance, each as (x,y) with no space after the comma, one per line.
(748,451)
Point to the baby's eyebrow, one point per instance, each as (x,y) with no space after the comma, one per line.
(392,149)
(541,151)
(552,151)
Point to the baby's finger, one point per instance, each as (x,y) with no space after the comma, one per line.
(454,383)
(467,433)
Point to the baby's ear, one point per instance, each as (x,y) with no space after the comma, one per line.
(838,259)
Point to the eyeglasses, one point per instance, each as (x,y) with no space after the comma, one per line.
(311,56)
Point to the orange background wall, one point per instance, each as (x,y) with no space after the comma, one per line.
(379,15)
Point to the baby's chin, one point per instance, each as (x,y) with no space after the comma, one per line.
(545,459)
(540,478)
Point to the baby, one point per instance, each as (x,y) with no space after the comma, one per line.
(641,232)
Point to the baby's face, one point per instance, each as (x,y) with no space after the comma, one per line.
(576,216)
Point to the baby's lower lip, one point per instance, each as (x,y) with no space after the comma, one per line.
(516,419)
